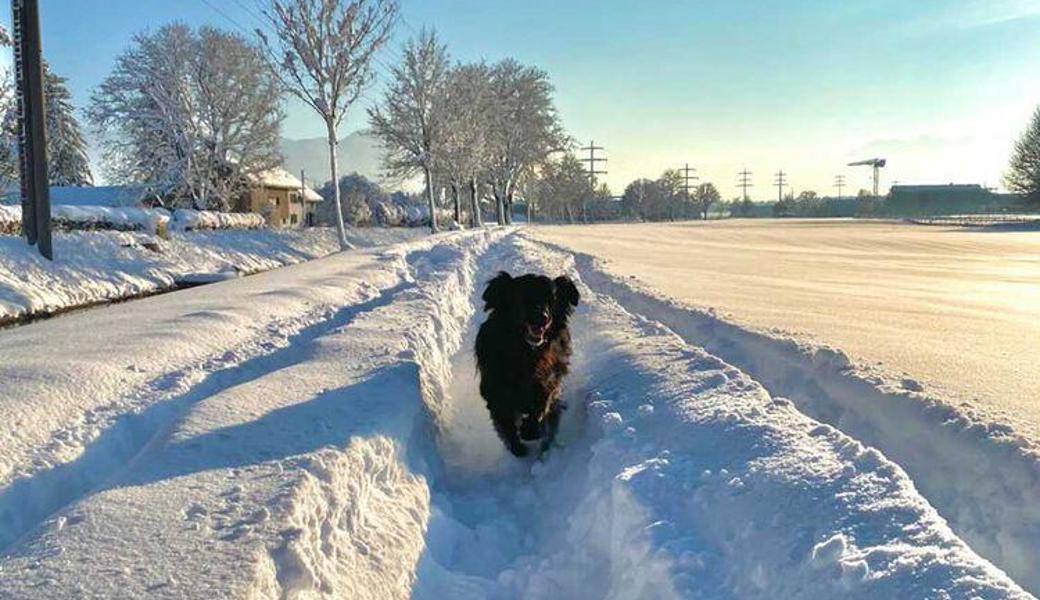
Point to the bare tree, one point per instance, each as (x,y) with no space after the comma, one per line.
(525,129)
(469,108)
(194,114)
(323,51)
(410,121)
(704,197)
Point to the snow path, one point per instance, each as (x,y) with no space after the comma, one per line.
(980,476)
(355,461)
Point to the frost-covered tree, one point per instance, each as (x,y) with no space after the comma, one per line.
(194,114)
(524,129)
(561,189)
(468,111)
(322,50)
(411,120)
(67,161)
(1023,175)
(704,197)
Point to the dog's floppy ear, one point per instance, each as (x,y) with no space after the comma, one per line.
(565,290)
(497,293)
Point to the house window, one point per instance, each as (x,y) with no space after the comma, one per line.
(292,219)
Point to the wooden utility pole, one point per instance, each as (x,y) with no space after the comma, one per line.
(32,131)
(303,199)
(592,170)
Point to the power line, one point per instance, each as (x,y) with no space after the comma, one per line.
(745,182)
(687,178)
(592,171)
(780,181)
(227,18)
(839,182)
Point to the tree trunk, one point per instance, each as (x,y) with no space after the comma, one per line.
(529,213)
(500,211)
(478,219)
(458,205)
(509,207)
(337,206)
(429,198)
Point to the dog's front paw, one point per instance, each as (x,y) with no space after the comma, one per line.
(518,449)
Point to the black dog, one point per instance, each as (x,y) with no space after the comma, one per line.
(523,352)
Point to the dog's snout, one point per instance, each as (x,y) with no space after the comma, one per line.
(545,317)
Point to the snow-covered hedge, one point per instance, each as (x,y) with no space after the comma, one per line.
(146,220)
(86,218)
(89,218)
(418,215)
(10,220)
(196,220)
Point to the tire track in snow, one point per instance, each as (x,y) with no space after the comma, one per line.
(982,479)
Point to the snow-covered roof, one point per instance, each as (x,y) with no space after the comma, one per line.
(282,179)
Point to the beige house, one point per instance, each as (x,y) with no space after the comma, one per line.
(282,198)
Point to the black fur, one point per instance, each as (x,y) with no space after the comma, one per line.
(520,379)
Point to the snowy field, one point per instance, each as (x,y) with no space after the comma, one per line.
(314,432)
(954,311)
(97,266)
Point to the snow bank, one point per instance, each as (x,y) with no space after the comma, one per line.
(93,267)
(196,220)
(977,473)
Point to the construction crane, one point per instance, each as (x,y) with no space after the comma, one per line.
(877,164)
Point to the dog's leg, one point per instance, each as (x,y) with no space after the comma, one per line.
(550,426)
(505,425)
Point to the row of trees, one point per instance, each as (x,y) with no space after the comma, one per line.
(472,126)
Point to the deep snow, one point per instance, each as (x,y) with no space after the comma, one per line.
(328,443)
(96,266)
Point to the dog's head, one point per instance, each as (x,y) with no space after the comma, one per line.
(534,304)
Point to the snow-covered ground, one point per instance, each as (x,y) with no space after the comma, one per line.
(96,266)
(952,310)
(313,432)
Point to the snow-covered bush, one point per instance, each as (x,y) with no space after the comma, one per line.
(10,220)
(89,218)
(197,220)
(86,218)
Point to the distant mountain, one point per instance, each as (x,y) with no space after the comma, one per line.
(357,152)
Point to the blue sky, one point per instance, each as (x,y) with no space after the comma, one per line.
(940,88)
